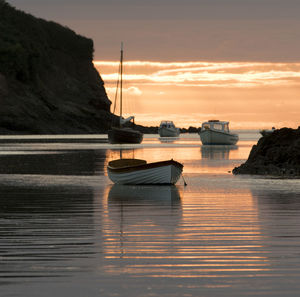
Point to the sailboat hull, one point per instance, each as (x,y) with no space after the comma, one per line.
(124,135)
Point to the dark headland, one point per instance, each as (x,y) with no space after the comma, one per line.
(48,83)
(277,154)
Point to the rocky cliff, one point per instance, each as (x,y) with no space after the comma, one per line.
(277,154)
(48,83)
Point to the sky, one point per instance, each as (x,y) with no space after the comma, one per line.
(191,60)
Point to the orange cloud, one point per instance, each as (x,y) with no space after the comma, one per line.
(249,94)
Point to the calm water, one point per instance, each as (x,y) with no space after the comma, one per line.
(66,230)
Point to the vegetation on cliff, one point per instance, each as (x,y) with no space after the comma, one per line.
(48,83)
(277,154)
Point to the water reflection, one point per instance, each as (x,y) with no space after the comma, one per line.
(165,234)
(141,221)
(222,235)
(275,200)
(44,230)
(148,194)
(83,162)
(217,152)
(168,139)
(279,209)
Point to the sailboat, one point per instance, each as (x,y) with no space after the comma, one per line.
(122,134)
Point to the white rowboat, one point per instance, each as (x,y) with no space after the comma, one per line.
(136,171)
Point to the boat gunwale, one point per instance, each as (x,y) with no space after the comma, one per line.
(146,166)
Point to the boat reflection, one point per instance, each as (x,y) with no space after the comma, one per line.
(168,139)
(159,233)
(143,194)
(140,220)
(217,152)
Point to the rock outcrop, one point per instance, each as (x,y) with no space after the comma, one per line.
(277,154)
(48,83)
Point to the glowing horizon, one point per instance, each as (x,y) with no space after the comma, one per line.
(248,94)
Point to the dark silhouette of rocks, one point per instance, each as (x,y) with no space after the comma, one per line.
(48,83)
(190,129)
(277,154)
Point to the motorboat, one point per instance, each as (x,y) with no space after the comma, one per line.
(137,171)
(121,133)
(217,132)
(168,129)
(266,132)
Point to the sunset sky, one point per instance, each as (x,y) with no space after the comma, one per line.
(193,60)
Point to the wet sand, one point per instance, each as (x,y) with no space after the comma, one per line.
(66,230)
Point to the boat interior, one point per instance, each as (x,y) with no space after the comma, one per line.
(126,163)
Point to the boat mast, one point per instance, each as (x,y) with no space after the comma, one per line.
(121,82)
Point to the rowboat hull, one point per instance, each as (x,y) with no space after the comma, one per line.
(209,136)
(124,135)
(165,172)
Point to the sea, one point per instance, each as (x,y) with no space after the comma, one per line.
(67,231)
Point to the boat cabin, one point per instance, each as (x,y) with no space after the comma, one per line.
(215,125)
(166,124)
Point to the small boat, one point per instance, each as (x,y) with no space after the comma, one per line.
(136,171)
(168,129)
(217,132)
(121,134)
(266,132)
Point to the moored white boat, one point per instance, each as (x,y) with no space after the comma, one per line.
(136,171)
(217,132)
(168,129)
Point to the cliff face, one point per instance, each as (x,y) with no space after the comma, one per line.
(48,83)
(277,154)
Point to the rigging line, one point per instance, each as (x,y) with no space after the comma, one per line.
(117,89)
(129,102)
